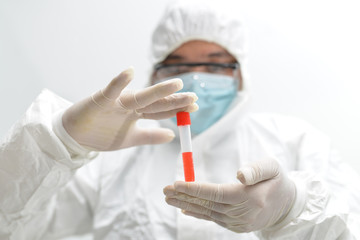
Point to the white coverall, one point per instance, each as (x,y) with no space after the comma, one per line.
(48,192)
(51,188)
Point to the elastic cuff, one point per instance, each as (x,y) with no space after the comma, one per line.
(74,148)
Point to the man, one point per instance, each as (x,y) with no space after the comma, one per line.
(290,181)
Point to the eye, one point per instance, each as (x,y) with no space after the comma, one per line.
(171,70)
(215,69)
(183,69)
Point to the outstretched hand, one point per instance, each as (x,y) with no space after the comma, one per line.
(107,120)
(262,199)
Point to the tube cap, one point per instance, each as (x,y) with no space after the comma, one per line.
(183,118)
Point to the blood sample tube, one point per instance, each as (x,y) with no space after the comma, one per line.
(183,122)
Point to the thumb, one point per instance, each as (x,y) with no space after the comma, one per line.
(144,136)
(258,172)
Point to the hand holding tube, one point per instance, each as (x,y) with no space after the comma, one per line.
(107,120)
(262,199)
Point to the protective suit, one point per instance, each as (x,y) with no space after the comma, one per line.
(52,187)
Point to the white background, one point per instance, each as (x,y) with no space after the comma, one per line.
(304,56)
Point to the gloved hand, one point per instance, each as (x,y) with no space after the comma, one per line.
(107,120)
(262,199)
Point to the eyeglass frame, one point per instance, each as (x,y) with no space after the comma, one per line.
(195,64)
(234,66)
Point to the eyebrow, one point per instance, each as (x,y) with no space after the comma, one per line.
(219,54)
(174,57)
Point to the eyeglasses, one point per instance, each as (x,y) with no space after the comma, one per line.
(163,71)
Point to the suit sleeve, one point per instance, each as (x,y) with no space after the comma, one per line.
(43,195)
(328,193)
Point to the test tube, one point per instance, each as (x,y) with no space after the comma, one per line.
(183,122)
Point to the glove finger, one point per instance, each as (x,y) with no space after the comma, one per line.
(238,228)
(197,215)
(238,210)
(114,88)
(258,172)
(144,136)
(207,191)
(203,211)
(206,204)
(169,114)
(144,97)
(235,226)
(174,101)
(190,207)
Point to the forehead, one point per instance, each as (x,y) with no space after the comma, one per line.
(199,50)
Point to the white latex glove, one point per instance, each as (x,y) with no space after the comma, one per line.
(262,199)
(107,120)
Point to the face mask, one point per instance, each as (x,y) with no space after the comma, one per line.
(215,92)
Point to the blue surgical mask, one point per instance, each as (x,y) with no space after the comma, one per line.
(215,93)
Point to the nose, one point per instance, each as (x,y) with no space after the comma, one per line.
(199,69)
